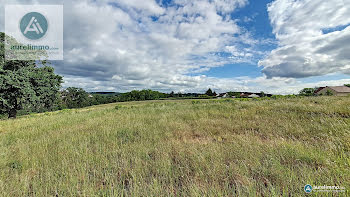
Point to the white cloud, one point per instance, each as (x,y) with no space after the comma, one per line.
(122,45)
(304,50)
(148,6)
(293,87)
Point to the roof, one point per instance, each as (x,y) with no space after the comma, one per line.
(222,94)
(340,89)
(253,96)
(319,89)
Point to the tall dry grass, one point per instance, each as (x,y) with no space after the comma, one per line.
(179,148)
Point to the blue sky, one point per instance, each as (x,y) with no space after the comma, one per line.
(258,20)
(277,46)
(254,19)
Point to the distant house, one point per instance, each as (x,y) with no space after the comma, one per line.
(248,94)
(333,90)
(223,95)
(244,95)
(253,96)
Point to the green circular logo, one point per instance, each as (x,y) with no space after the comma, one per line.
(308,188)
(33,25)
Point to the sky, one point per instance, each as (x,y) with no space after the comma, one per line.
(278,46)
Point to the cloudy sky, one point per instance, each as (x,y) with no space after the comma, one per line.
(276,46)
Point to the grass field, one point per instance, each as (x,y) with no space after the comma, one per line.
(179,148)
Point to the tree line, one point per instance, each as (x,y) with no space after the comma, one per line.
(32,86)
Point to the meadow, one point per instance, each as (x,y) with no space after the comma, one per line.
(216,147)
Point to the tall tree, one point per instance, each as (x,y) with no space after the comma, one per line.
(209,92)
(24,85)
(75,97)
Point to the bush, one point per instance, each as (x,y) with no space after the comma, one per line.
(118,107)
(196,102)
(205,97)
(142,95)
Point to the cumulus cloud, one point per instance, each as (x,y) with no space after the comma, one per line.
(121,45)
(126,44)
(305,47)
(292,86)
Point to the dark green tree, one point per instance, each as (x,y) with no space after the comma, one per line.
(24,85)
(262,94)
(209,92)
(179,94)
(235,94)
(308,92)
(142,95)
(348,85)
(75,98)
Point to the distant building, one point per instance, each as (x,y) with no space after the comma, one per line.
(244,95)
(223,95)
(333,90)
(249,95)
(253,96)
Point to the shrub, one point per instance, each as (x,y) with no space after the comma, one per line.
(195,102)
(118,107)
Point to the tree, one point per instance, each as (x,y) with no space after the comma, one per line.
(348,85)
(142,95)
(235,94)
(179,94)
(262,94)
(23,85)
(209,92)
(75,97)
(329,93)
(308,92)
(172,94)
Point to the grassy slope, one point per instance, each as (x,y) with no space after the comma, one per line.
(206,147)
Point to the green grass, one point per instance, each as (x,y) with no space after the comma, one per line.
(179,148)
